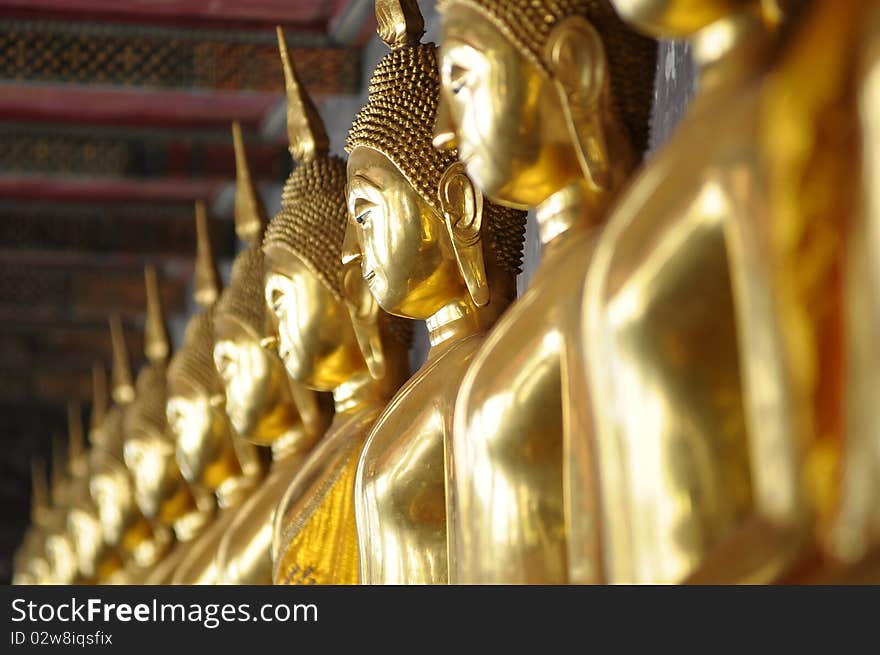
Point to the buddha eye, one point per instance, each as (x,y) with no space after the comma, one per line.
(456,77)
(362,209)
(275,300)
(225,364)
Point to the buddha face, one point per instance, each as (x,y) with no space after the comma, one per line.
(503,112)
(675,18)
(203,436)
(406,254)
(62,558)
(316,339)
(150,458)
(85,528)
(257,393)
(87,539)
(111,490)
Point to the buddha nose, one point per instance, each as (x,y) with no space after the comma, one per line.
(351,248)
(444,128)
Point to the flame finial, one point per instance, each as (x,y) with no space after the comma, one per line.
(123,387)
(206,279)
(250,213)
(306,133)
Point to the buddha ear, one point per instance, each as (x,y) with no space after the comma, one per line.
(462,205)
(362,306)
(575,56)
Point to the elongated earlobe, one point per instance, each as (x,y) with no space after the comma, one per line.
(462,205)
(576,58)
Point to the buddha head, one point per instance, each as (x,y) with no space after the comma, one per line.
(83,524)
(539,95)
(304,281)
(259,401)
(59,546)
(425,232)
(111,485)
(160,491)
(205,446)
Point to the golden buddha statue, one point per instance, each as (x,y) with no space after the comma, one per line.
(432,250)
(58,546)
(30,565)
(206,449)
(215,407)
(704,482)
(97,561)
(820,233)
(548,105)
(293,418)
(111,485)
(161,492)
(712,305)
(314,537)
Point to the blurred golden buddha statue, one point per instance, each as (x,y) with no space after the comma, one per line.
(296,416)
(123,524)
(314,538)
(208,417)
(30,565)
(822,235)
(58,545)
(855,530)
(714,305)
(206,449)
(161,492)
(548,103)
(97,561)
(432,250)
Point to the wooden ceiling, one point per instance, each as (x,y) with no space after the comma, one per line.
(114,118)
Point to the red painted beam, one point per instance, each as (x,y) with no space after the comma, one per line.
(181,109)
(108,189)
(180,264)
(268,11)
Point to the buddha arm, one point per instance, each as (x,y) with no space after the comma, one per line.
(401,491)
(508,525)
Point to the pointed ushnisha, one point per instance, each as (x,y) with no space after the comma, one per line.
(123,386)
(250,213)
(400,22)
(99,398)
(194,361)
(306,134)
(157,344)
(206,280)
